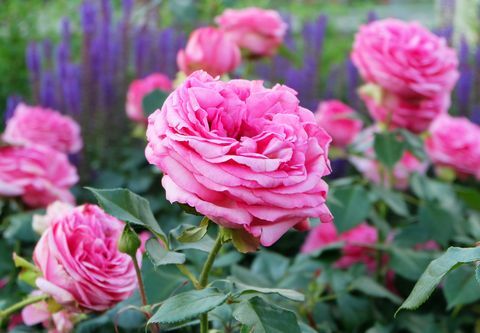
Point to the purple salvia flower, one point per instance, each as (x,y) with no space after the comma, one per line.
(12,102)
(48,91)
(464,84)
(371,16)
(352,83)
(88,17)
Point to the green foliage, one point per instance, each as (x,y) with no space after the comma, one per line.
(349,205)
(388,148)
(153,101)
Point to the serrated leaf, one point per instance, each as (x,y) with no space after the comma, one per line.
(434,273)
(153,101)
(388,149)
(266,318)
(460,287)
(409,263)
(188,305)
(129,207)
(350,208)
(370,287)
(161,256)
(245,289)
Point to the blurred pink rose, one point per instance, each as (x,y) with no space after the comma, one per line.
(369,166)
(40,175)
(211,50)
(405,58)
(245,156)
(410,113)
(38,313)
(356,243)
(257,30)
(55,210)
(338,120)
(39,126)
(140,88)
(455,143)
(80,263)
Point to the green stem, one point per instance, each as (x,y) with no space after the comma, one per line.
(185,271)
(20,305)
(203,279)
(141,287)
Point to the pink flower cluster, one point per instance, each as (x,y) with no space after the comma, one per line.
(35,167)
(217,50)
(246,156)
(412,72)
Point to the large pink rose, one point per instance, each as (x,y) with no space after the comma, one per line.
(39,126)
(405,58)
(369,166)
(455,143)
(356,243)
(399,112)
(257,30)
(246,156)
(40,175)
(339,121)
(211,50)
(80,263)
(140,88)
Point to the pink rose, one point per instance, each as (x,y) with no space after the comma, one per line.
(356,243)
(369,166)
(211,50)
(405,58)
(55,210)
(80,263)
(398,112)
(257,30)
(140,88)
(38,313)
(338,120)
(245,156)
(39,126)
(40,175)
(455,143)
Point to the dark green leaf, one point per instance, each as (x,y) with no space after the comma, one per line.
(188,305)
(414,144)
(460,287)
(153,101)
(159,255)
(266,318)
(409,263)
(271,265)
(388,149)
(355,311)
(469,195)
(370,287)
(394,200)
(205,244)
(194,234)
(438,222)
(129,207)
(434,273)
(350,207)
(245,289)
(20,227)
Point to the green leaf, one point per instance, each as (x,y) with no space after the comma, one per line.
(354,311)
(388,149)
(409,263)
(477,273)
(194,234)
(434,273)
(129,242)
(129,207)
(438,222)
(245,289)
(160,255)
(205,244)
(469,195)
(271,265)
(20,227)
(350,206)
(370,287)
(394,200)
(188,305)
(460,287)
(266,318)
(153,101)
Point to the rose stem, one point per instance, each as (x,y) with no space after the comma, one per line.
(141,286)
(203,279)
(17,306)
